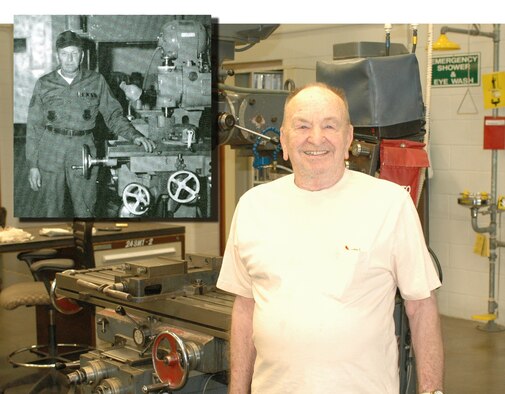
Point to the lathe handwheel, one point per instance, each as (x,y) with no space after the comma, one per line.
(183,186)
(170,360)
(87,162)
(64,305)
(136,198)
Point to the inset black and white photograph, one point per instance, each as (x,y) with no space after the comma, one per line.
(112,117)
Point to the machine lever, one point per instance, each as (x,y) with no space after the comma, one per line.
(155,388)
(88,285)
(109,290)
(148,346)
(73,364)
(121,295)
(190,137)
(273,140)
(121,311)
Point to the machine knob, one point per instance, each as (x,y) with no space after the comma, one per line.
(225,121)
(111,386)
(358,149)
(94,371)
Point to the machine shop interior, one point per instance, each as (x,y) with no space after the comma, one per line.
(144,283)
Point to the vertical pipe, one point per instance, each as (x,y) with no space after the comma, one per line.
(427,174)
(387,28)
(492,302)
(53,347)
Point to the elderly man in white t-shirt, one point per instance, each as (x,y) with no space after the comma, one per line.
(315,260)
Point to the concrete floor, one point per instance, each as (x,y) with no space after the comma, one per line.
(475,360)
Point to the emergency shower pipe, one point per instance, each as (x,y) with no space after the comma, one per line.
(495,35)
(491,229)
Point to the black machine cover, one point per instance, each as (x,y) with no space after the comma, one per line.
(382,91)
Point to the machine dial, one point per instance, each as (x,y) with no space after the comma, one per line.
(139,336)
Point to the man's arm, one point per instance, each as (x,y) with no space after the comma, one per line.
(242,351)
(112,114)
(35,125)
(424,324)
(34,129)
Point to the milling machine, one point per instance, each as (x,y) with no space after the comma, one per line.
(161,326)
(175,180)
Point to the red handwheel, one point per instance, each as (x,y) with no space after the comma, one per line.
(64,305)
(170,360)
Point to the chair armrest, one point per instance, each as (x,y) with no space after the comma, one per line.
(52,264)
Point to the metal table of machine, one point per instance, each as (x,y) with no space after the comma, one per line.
(181,291)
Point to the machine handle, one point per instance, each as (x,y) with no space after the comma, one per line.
(86,162)
(183,186)
(155,388)
(106,289)
(172,361)
(64,305)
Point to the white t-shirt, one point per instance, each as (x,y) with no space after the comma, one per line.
(323,268)
(69,80)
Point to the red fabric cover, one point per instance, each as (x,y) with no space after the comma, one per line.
(401,162)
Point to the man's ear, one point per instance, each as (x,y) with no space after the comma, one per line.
(283,141)
(350,136)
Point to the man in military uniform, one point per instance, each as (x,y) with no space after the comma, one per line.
(61,119)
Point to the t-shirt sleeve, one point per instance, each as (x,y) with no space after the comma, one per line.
(234,276)
(413,267)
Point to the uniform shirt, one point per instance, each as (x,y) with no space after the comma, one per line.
(74,106)
(323,268)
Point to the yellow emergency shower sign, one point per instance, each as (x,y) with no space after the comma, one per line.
(494,89)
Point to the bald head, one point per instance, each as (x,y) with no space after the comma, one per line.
(338,92)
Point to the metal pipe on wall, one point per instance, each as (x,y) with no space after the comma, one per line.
(493,245)
(491,325)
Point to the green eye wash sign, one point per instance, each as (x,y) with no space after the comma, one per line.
(458,70)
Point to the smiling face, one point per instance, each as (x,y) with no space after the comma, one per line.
(70,59)
(315,137)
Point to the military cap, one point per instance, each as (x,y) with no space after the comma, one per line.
(67,39)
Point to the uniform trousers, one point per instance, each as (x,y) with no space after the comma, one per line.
(59,182)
